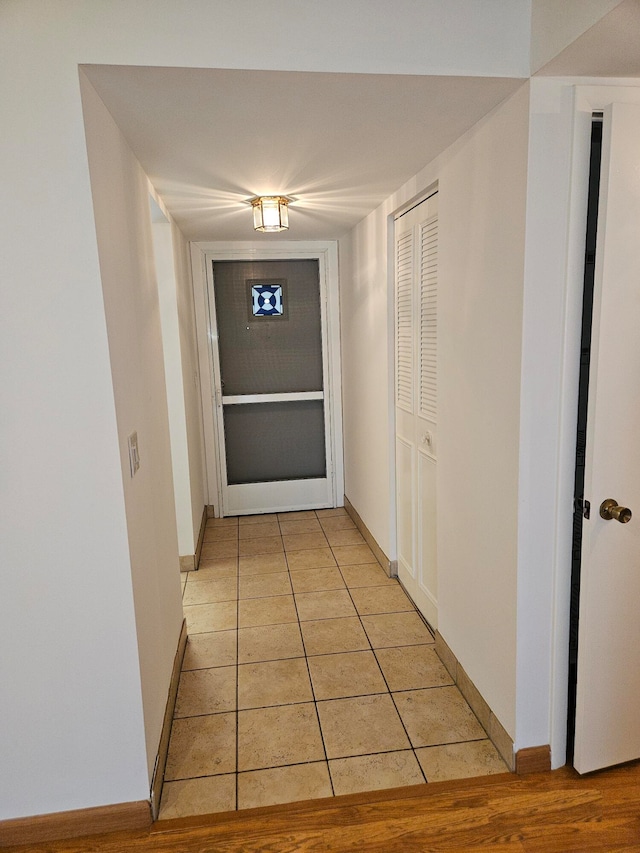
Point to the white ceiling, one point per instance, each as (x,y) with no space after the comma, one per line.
(340,144)
(611,48)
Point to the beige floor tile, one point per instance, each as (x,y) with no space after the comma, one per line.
(304,541)
(202,618)
(412,668)
(220,567)
(324,605)
(331,636)
(266,611)
(283,785)
(204,651)
(380,599)
(206,691)
(368,575)
(219,534)
(347,674)
(263,586)
(225,548)
(375,772)
(344,537)
(304,525)
(259,531)
(262,564)
(272,737)
(396,629)
(257,519)
(206,795)
(202,746)
(207,590)
(460,760)
(263,545)
(296,516)
(269,642)
(361,726)
(315,580)
(314,558)
(337,522)
(331,512)
(436,716)
(353,555)
(278,682)
(229,521)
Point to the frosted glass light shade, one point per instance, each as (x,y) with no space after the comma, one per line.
(270,213)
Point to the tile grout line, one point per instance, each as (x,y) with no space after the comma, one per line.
(371,649)
(328,699)
(301,764)
(313,692)
(386,683)
(299,623)
(238,676)
(435,687)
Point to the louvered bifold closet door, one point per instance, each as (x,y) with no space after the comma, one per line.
(416,322)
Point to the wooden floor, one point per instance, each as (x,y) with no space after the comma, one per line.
(555,812)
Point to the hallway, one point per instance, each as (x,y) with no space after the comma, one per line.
(308,673)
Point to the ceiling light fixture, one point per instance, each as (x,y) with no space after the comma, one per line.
(270,213)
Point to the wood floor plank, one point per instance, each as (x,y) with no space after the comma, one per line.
(555,812)
(601,834)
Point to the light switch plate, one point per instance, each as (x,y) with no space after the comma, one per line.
(134,456)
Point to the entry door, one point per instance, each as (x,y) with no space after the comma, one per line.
(416,261)
(608,676)
(270,371)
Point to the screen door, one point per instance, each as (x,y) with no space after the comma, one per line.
(270,372)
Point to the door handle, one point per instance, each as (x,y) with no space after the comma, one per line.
(609,510)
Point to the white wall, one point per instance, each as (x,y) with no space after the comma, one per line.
(482,195)
(190,380)
(504,599)
(183,399)
(125,248)
(367,381)
(72,733)
(70,652)
(555,25)
(482,214)
(166,279)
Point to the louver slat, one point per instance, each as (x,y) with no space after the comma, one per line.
(404,322)
(428,318)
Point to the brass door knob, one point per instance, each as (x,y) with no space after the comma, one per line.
(610,510)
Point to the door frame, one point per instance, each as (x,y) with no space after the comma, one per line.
(202,256)
(585,759)
(582,99)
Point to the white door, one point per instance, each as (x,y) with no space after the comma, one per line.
(268,318)
(608,677)
(416,261)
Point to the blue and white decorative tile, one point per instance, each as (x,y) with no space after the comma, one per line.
(266,300)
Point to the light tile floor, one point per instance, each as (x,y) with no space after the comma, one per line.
(308,673)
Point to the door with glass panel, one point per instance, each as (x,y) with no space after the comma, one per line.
(270,371)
